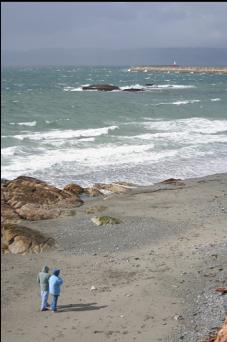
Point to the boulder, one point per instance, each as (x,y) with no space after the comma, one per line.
(78,190)
(93,192)
(104,220)
(18,239)
(34,212)
(74,188)
(31,199)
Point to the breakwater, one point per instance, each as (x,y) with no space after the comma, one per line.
(177,68)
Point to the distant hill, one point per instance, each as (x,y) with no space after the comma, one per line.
(166,56)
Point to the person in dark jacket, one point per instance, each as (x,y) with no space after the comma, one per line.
(54,286)
(43,280)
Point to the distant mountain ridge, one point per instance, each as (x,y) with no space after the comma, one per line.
(145,56)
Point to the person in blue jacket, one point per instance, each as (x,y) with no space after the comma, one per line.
(55,283)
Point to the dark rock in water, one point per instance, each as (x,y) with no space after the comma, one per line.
(100,87)
(149,84)
(134,89)
(108,87)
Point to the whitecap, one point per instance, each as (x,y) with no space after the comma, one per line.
(199,125)
(178,103)
(66,134)
(30,123)
(174,86)
(72,89)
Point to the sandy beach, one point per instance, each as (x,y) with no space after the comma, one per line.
(150,278)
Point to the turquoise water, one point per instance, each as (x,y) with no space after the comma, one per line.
(54,131)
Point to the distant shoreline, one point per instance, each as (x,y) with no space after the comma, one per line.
(177,68)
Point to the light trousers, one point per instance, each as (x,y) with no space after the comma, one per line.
(44,299)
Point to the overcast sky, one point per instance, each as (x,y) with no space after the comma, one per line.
(113,25)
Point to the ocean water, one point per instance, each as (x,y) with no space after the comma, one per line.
(55,131)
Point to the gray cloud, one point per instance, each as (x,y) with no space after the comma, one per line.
(112,25)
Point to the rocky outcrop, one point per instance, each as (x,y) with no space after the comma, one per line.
(93,192)
(101,87)
(109,87)
(78,190)
(32,199)
(74,188)
(18,239)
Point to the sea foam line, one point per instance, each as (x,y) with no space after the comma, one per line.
(67,134)
(29,123)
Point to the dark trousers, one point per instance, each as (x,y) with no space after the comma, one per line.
(54,300)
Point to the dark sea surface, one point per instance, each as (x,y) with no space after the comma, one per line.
(55,131)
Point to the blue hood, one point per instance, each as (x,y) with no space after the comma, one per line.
(56,272)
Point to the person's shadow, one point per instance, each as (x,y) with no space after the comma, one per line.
(80,307)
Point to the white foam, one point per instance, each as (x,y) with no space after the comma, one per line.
(174,86)
(72,89)
(217,99)
(178,103)
(67,134)
(68,142)
(8,151)
(133,86)
(88,158)
(199,125)
(30,123)
(181,137)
